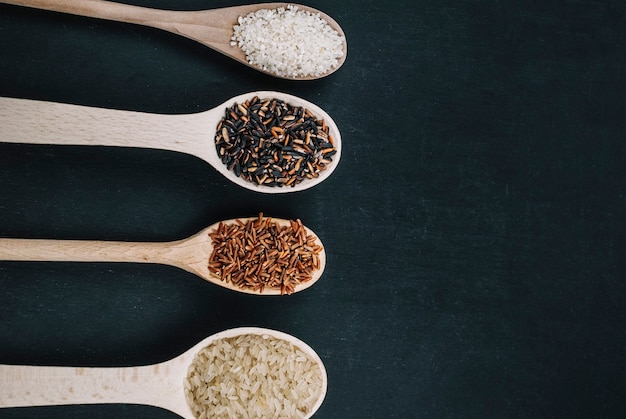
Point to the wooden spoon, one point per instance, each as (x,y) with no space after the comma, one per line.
(158,385)
(40,122)
(191,254)
(212,28)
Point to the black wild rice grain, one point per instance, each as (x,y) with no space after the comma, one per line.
(270,142)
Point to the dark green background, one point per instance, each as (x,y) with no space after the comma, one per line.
(475,227)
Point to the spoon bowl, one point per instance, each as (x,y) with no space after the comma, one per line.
(160,385)
(39,122)
(212,28)
(190,254)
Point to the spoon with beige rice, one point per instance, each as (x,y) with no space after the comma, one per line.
(246,372)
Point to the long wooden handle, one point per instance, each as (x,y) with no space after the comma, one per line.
(80,251)
(41,386)
(39,122)
(212,28)
(98,9)
(155,385)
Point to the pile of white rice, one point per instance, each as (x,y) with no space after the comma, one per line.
(288,42)
(252,376)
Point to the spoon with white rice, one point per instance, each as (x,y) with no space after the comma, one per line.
(285,40)
(39,122)
(246,372)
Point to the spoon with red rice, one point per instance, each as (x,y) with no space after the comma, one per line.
(259,255)
(170,384)
(216,29)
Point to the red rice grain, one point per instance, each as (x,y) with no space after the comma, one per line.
(258,253)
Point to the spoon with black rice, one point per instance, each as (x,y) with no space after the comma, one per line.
(264,141)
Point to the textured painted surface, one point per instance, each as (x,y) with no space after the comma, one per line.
(474,228)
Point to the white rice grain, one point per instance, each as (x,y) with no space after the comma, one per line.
(288,42)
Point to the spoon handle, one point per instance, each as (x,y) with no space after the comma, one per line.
(82,251)
(212,28)
(46,386)
(98,9)
(40,122)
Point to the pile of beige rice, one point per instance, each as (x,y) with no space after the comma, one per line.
(253,376)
